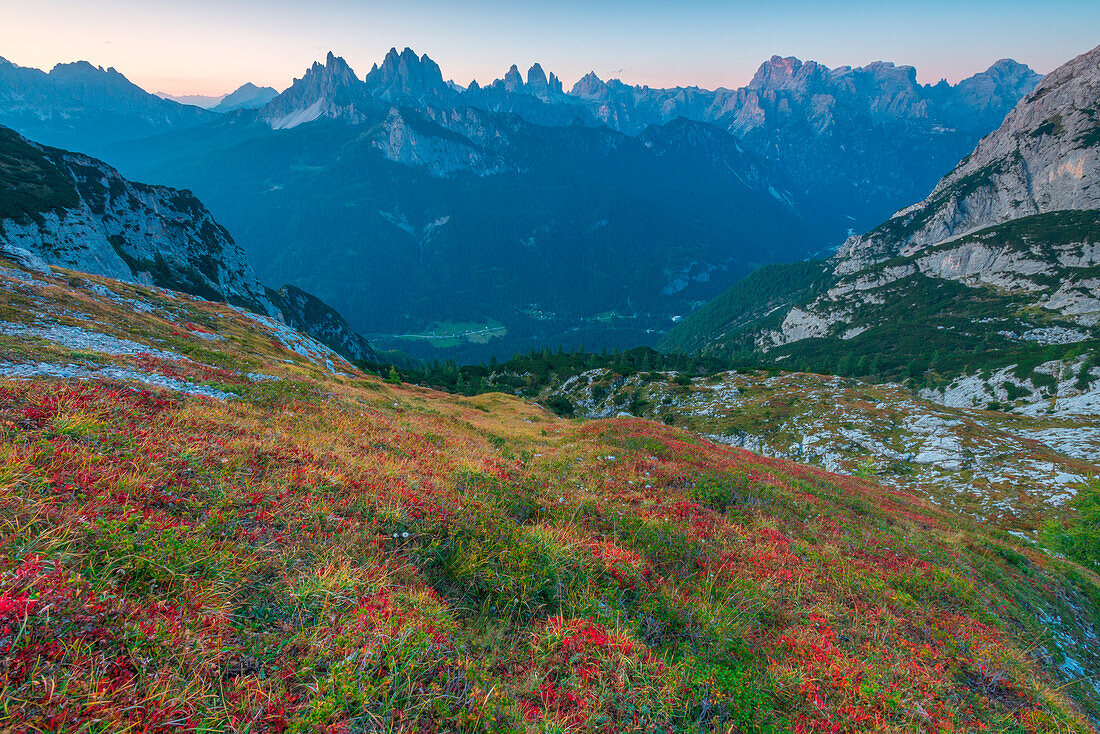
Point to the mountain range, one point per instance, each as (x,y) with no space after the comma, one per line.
(475,205)
(80,107)
(998,265)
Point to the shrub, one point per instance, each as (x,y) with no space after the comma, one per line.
(591,678)
(561,405)
(1078,539)
(720,492)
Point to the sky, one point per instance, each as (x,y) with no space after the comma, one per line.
(212,46)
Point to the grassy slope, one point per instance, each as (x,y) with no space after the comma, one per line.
(1006,478)
(332,553)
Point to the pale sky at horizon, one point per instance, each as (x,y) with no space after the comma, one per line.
(211,47)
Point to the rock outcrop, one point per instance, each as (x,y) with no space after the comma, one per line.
(1045,157)
(74,211)
(310,315)
(78,212)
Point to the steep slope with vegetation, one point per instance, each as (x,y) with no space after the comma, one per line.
(999,266)
(1012,449)
(209,522)
(1024,292)
(747,302)
(71,210)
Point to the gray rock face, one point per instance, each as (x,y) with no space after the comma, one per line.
(96,221)
(404,137)
(313,316)
(590,87)
(407,79)
(25,258)
(537,83)
(331,90)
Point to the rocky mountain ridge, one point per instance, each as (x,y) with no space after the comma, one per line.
(1000,259)
(69,210)
(81,107)
(836,131)
(481,143)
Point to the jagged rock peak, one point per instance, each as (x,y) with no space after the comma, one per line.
(778,71)
(331,90)
(589,86)
(536,77)
(78,67)
(406,77)
(1009,69)
(335,70)
(513,81)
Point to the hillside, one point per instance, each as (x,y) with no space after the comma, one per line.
(67,209)
(1013,470)
(211,522)
(998,266)
(1012,448)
